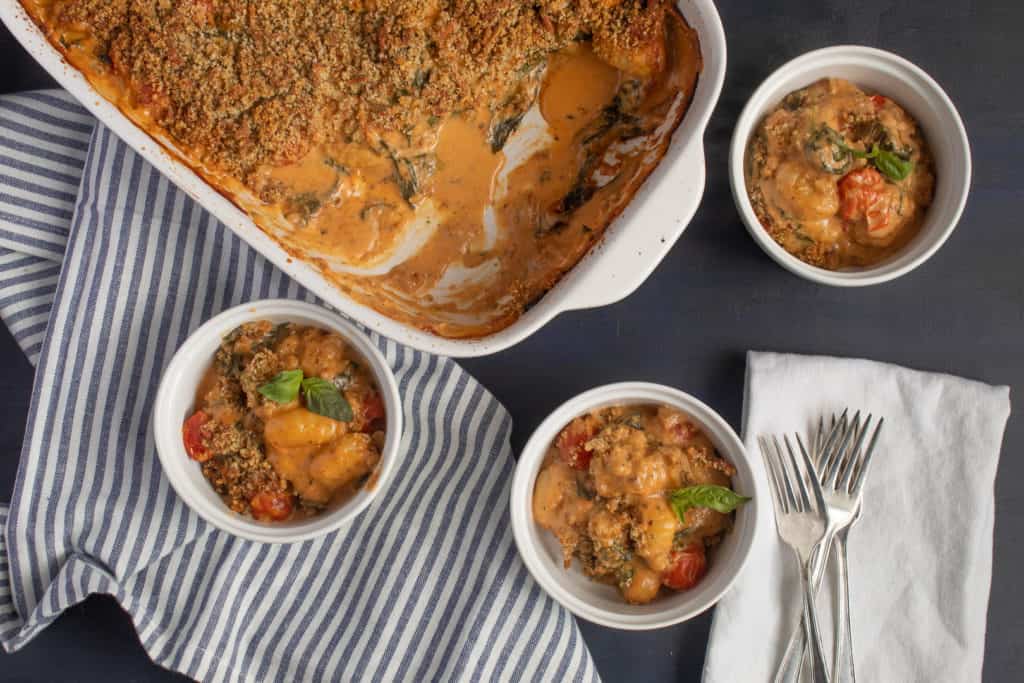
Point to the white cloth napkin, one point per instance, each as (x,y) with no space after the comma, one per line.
(921,555)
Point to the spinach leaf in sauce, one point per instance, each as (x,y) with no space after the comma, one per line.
(306,204)
(614,123)
(503,130)
(421,78)
(275,335)
(828,150)
(634,422)
(341,168)
(404,174)
(794,100)
(612,114)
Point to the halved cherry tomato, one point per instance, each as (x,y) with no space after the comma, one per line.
(878,100)
(373,410)
(191,433)
(687,568)
(862,196)
(570,444)
(271,506)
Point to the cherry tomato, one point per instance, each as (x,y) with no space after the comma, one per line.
(677,428)
(684,431)
(191,433)
(570,444)
(687,568)
(271,506)
(373,410)
(862,195)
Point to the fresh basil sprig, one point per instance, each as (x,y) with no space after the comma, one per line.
(282,387)
(718,498)
(322,397)
(891,165)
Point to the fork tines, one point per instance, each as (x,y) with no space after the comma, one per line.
(788,477)
(838,457)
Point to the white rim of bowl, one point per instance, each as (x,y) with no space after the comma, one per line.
(531,459)
(745,127)
(230,521)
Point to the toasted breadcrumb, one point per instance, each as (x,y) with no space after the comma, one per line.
(245,84)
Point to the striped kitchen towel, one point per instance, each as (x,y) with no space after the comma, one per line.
(105,268)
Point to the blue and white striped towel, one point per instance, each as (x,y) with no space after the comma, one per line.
(103,273)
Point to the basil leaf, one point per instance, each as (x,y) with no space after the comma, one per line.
(891,165)
(283,387)
(857,154)
(718,498)
(323,398)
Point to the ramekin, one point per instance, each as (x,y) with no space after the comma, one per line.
(175,400)
(914,90)
(603,604)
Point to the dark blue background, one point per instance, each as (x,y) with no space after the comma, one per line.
(717,295)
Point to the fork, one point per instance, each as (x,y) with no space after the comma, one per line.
(845,495)
(801,523)
(842,466)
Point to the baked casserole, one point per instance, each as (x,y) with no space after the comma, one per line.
(444,162)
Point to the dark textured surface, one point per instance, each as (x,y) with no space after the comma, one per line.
(717,295)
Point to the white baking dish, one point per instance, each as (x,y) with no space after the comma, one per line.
(632,247)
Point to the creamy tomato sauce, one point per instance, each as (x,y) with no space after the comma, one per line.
(838,177)
(628,490)
(454,224)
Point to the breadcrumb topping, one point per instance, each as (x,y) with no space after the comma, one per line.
(244,84)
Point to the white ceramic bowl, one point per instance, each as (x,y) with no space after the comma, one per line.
(631,248)
(603,604)
(914,90)
(176,399)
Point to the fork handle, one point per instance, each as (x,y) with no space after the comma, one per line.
(793,657)
(842,654)
(819,670)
